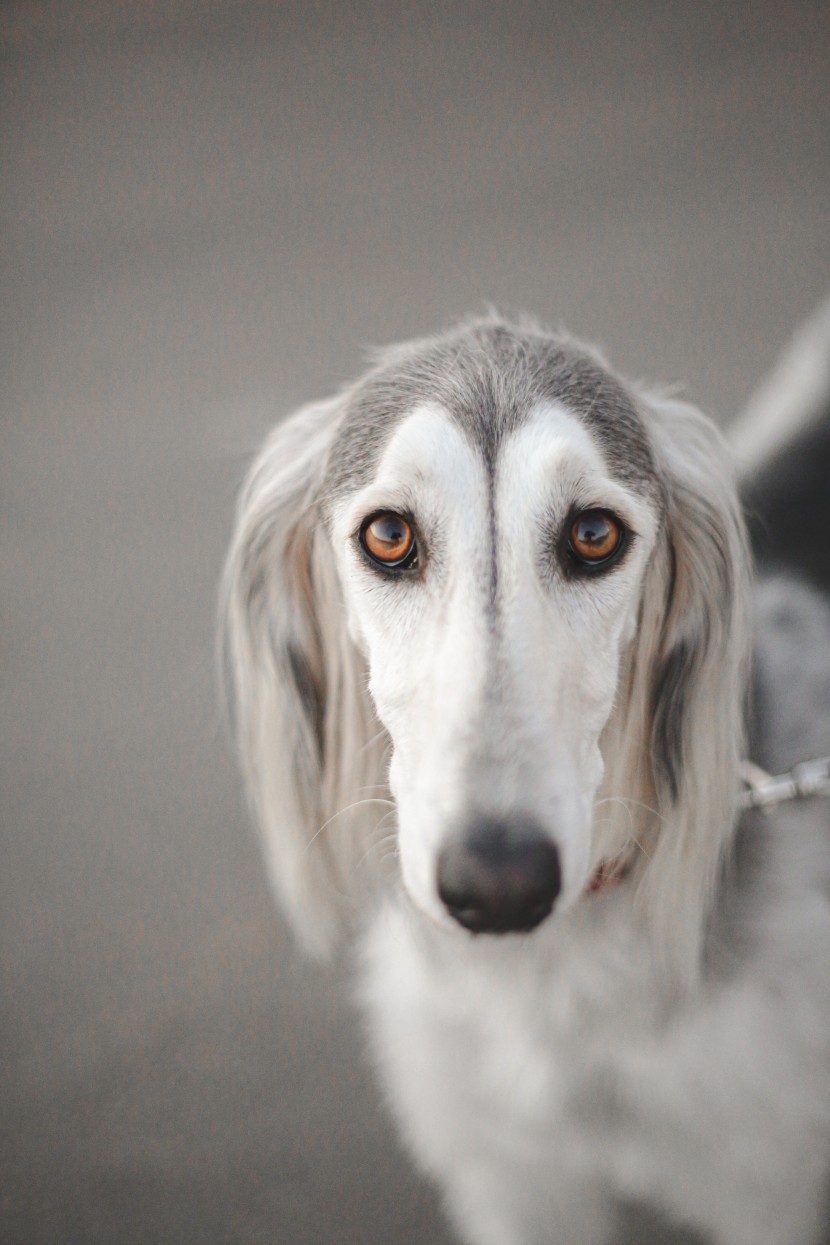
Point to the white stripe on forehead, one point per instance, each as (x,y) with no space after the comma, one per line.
(426,453)
(552,440)
(554,460)
(429,445)
(427,442)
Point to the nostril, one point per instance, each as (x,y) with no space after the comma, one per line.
(499,876)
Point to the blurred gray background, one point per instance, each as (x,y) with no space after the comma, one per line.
(209,210)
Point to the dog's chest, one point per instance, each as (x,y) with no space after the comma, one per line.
(494,1061)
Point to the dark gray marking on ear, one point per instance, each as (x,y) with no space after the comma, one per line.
(670,700)
(701,570)
(309,692)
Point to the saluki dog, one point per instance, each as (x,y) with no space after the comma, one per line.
(492,639)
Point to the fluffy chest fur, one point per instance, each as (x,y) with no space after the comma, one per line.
(547,1088)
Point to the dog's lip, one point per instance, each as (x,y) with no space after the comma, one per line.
(607,875)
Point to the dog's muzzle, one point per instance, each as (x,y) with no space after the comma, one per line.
(499,877)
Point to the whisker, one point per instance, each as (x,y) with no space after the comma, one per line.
(381,844)
(629,802)
(625,803)
(371,742)
(348,808)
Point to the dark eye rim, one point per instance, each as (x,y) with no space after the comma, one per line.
(408,562)
(585,566)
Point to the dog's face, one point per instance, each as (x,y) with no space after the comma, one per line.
(544,572)
(493,586)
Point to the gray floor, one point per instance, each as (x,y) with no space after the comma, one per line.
(208,211)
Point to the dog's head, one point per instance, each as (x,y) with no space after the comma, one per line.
(488,607)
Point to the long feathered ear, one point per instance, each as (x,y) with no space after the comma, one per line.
(310,749)
(681,733)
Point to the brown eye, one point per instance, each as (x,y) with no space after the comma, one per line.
(389,540)
(595,537)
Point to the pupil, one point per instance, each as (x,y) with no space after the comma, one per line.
(391,532)
(593,531)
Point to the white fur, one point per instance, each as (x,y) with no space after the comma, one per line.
(624,1051)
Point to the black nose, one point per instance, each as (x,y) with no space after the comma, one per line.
(499,876)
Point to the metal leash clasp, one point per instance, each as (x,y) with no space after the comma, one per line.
(763,790)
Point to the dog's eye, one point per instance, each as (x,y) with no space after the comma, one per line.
(389,540)
(595,538)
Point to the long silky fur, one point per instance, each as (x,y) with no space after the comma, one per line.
(310,748)
(674,744)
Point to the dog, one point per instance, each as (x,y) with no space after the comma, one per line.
(492,637)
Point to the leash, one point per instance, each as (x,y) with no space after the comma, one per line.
(763,790)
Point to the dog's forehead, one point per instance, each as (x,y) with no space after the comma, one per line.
(490,379)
